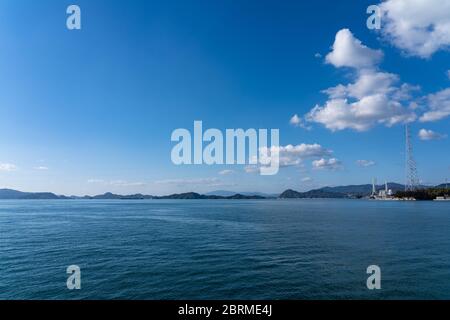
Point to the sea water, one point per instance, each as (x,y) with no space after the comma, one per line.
(224,249)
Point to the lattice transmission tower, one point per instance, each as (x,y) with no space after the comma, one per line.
(412,179)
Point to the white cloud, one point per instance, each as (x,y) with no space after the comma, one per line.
(368,83)
(439,106)
(7,167)
(373,98)
(426,135)
(297,121)
(328,164)
(117,183)
(307,179)
(121,183)
(340,114)
(365,163)
(291,155)
(350,52)
(95,181)
(226,172)
(41,168)
(448,74)
(405,92)
(214,182)
(304,150)
(418,27)
(318,55)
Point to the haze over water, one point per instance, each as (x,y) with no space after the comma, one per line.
(216,249)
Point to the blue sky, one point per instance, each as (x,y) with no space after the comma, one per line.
(92,110)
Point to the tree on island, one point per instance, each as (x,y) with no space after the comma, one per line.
(423,194)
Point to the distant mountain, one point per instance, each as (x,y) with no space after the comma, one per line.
(112,196)
(363,189)
(137,196)
(184,196)
(243,197)
(225,193)
(313,194)
(290,194)
(8,194)
(42,196)
(351,191)
(107,196)
(221,193)
(11,194)
(193,195)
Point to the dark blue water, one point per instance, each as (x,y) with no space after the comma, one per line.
(270,249)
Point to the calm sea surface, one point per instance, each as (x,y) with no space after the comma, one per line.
(214,249)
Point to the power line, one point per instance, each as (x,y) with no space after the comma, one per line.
(412,180)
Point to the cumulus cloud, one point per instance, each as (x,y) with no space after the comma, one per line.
(350,52)
(365,163)
(340,114)
(304,150)
(291,155)
(327,164)
(374,98)
(426,135)
(368,83)
(418,27)
(439,106)
(7,167)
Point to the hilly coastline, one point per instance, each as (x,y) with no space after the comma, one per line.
(339,192)
(9,194)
